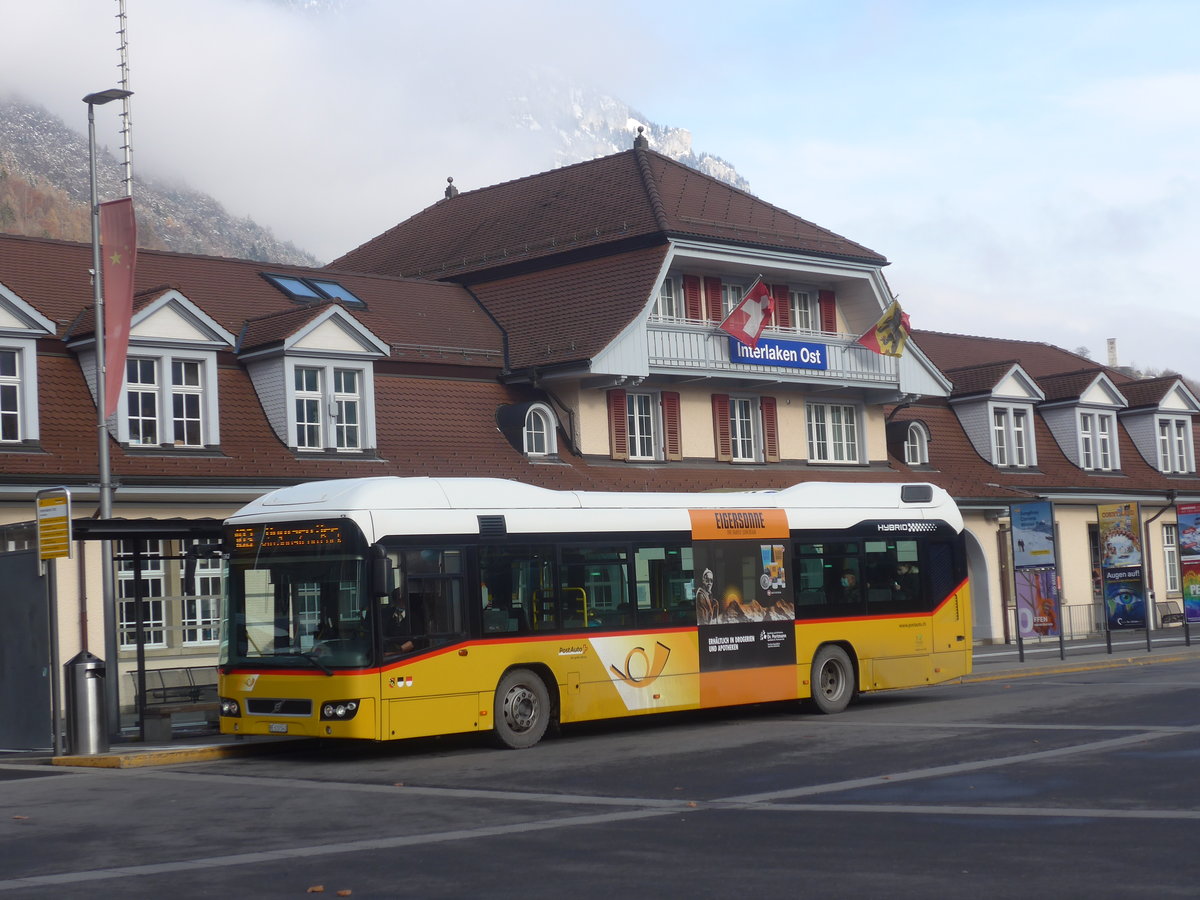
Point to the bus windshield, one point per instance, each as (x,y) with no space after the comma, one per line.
(297,596)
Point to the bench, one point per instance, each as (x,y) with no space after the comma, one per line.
(176,690)
(1169,612)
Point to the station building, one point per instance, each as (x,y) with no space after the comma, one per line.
(560,330)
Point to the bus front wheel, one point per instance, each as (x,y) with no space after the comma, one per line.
(832,679)
(522,710)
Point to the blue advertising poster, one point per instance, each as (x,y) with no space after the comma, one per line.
(1032,534)
(1124,598)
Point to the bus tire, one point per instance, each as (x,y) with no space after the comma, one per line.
(832,679)
(522,710)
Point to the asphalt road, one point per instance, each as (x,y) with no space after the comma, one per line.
(1081,784)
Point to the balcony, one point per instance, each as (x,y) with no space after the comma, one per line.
(690,347)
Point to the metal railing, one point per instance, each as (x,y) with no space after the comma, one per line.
(690,345)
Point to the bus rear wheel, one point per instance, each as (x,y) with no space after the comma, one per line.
(522,710)
(832,679)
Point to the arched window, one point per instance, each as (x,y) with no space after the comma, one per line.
(916,445)
(539,431)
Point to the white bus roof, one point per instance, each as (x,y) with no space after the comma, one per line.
(384,505)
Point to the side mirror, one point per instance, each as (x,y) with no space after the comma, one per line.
(380,572)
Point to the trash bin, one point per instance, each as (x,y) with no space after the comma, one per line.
(87,719)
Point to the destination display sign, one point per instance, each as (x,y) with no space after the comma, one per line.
(773,352)
(287,537)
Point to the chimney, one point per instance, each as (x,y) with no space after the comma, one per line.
(451,190)
(1112,353)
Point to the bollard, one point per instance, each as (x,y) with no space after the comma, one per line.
(87,721)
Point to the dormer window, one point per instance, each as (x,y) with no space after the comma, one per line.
(328,402)
(1097,452)
(175,411)
(1175,452)
(916,445)
(539,431)
(1011,439)
(10,396)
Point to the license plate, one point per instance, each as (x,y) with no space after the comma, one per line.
(277,728)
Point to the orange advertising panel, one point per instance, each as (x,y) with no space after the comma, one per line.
(732,524)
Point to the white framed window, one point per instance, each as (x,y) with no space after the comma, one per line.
(1011,436)
(1175,451)
(347,402)
(141,400)
(329,407)
(201,600)
(10,396)
(832,433)
(641,422)
(916,445)
(731,296)
(187,403)
(1096,449)
(539,431)
(309,402)
(169,400)
(743,431)
(154,622)
(804,314)
(1170,540)
(669,304)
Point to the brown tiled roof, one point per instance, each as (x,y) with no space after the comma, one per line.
(980,379)
(1149,391)
(956,466)
(633,196)
(570,313)
(1069,385)
(52,276)
(955,351)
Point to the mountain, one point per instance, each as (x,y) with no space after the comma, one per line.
(44,179)
(584,124)
(44,190)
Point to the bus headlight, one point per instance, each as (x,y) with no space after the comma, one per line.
(338,710)
(230,708)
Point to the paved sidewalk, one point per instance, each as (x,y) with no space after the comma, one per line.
(996,661)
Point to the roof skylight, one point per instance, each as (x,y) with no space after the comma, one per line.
(306,290)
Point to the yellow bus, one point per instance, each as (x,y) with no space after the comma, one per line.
(391,608)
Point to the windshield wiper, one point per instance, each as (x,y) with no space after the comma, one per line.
(312,659)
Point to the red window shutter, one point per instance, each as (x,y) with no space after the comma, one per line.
(770,423)
(783,306)
(618,424)
(673,445)
(720,405)
(712,296)
(827,303)
(693,303)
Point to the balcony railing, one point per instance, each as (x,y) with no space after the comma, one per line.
(687,346)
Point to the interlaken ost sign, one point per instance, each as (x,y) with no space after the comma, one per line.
(772,352)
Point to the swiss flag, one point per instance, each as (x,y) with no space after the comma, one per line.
(746,321)
(118,240)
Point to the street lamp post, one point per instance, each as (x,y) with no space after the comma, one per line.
(112,685)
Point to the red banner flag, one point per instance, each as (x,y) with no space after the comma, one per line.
(746,321)
(118,253)
(888,336)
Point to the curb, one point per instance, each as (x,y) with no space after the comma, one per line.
(1065,668)
(166,756)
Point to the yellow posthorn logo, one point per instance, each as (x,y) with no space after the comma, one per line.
(640,670)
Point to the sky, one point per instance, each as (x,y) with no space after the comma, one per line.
(1029,167)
